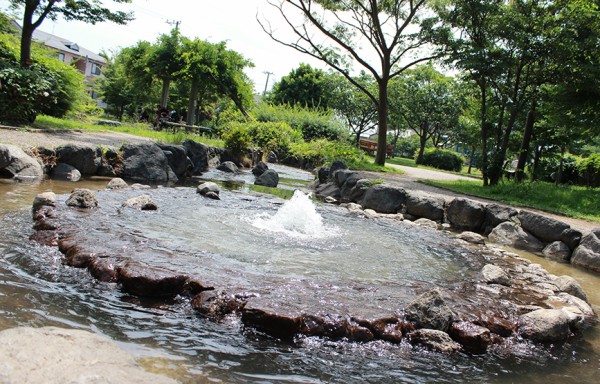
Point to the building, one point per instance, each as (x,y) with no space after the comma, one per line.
(90,64)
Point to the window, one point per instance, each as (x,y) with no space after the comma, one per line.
(61,57)
(96,69)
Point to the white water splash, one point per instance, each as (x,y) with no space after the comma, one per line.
(297,218)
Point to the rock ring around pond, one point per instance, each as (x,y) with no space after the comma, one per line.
(517,299)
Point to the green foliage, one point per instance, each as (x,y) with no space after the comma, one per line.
(443,159)
(569,200)
(268,136)
(304,86)
(407,146)
(314,124)
(237,139)
(549,169)
(321,151)
(47,86)
(589,170)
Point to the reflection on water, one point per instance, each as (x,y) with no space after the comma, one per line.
(37,289)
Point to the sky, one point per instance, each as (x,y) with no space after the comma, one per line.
(233,21)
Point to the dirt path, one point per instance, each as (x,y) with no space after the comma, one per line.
(410,180)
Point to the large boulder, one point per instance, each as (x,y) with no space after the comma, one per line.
(85,158)
(569,285)
(342,175)
(65,172)
(228,167)
(510,234)
(542,227)
(545,325)
(269,178)
(421,205)
(384,198)
(496,214)
(557,251)
(260,168)
(198,154)
(465,214)
(326,190)
(587,254)
(15,163)
(429,310)
(146,163)
(178,159)
(357,192)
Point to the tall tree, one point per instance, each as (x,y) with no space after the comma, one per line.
(212,69)
(305,85)
(36,11)
(352,105)
(377,35)
(165,61)
(428,102)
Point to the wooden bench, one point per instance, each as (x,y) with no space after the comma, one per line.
(370,147)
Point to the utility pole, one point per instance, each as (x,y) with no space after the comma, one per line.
(267,82)
(174,22)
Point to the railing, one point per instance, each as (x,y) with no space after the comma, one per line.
(370,147)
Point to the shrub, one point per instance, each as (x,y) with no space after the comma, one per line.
(48,86)
(589,170)
(443,159)
(237,139)
(314,124)
(322,151)
(549,167)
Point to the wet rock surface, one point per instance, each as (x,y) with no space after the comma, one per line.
(462,314)
(56,356)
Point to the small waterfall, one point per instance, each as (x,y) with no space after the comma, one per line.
(297,218)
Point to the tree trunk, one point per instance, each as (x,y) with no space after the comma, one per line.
(382,114)
(164,96)
(500,158)
(471,158)
(524,152)
(537,155)
(484,132)
(422,143)
(192,103)
(561,165)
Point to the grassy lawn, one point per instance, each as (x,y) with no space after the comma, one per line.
(574,201)
(137,129)
(411,163)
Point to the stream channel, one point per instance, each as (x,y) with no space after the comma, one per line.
(311,252)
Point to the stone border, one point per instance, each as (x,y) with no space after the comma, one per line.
(544,307)
(520,229)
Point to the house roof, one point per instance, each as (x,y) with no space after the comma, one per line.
(65,45)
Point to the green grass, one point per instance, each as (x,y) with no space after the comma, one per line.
(372,167)
(137,129)
(573,201)
(411,163)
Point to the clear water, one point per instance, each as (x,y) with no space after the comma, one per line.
(236,242)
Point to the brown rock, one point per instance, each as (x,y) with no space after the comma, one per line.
(474,338)
(147,281)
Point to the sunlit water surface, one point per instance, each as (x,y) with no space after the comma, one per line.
(326,251)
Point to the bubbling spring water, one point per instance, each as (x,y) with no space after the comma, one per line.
(298,219)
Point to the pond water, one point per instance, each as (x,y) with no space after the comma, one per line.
(324,257)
